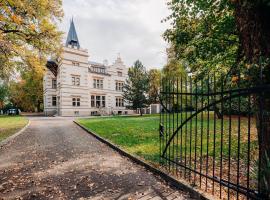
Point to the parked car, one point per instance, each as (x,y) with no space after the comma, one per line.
(13,111)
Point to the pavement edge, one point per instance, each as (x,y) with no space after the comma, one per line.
(195,193)
(10,138)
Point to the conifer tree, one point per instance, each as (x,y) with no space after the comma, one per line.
(136,87)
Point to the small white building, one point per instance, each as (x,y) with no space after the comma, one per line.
(152,109)
(75,86)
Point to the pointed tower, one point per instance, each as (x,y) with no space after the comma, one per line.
(72,96)
(72,38)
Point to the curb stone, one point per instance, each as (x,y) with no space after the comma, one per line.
(184,186)
(10,138)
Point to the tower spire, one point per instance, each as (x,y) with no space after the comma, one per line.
(72,38)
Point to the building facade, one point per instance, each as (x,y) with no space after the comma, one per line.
(75,86)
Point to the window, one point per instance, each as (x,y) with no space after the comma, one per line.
(119,102)
(75,80)
(99,70)
(75,63)
(92,101)
(119,86)
(101,84)
(98,101)
(76,102)
(98,83)
(103,104)
(94,113)
(119,73)
(54,83)
(53,100)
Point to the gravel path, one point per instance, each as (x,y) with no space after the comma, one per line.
(55,159)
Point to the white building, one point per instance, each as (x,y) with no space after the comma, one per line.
(74,86)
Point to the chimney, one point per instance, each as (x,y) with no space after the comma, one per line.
(105,62)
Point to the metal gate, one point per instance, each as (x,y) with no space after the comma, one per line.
(208,134)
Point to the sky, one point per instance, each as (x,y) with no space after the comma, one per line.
(132,28)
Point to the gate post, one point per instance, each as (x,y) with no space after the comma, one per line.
(264,138)
(264,142)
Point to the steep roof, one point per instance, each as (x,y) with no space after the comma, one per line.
(52,66)
(95,63)
(72,38)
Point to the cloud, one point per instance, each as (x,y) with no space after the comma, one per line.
(130,27)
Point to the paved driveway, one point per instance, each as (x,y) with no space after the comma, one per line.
(55,159)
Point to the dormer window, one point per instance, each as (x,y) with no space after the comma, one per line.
(99,70)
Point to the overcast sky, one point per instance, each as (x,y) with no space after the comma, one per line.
(132,28)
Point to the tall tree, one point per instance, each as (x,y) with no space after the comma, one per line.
(3,95)
(28,28)
(203,36)
(252,20)
(137,86)
(27,93)
(17,96)
(33,87)
(154,85)
(172,73)
(228,37)
(174,69)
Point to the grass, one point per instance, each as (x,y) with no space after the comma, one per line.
(140,136)
(10,125)
(137,135)
(211,134)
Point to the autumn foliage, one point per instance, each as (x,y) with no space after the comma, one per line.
(28,37)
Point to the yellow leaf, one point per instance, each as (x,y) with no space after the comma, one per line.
(17,19)
(32,27)
(234,79)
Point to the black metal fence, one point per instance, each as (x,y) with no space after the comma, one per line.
(209,134)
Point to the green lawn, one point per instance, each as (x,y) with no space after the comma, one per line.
(137,135)
(140,136)
(10,125)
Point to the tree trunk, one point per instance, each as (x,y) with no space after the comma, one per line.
(1,105)
(252,20)
(263,128)
(217,112)
(141,111)
(38,106)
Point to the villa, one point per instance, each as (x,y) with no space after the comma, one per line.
(75,86)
